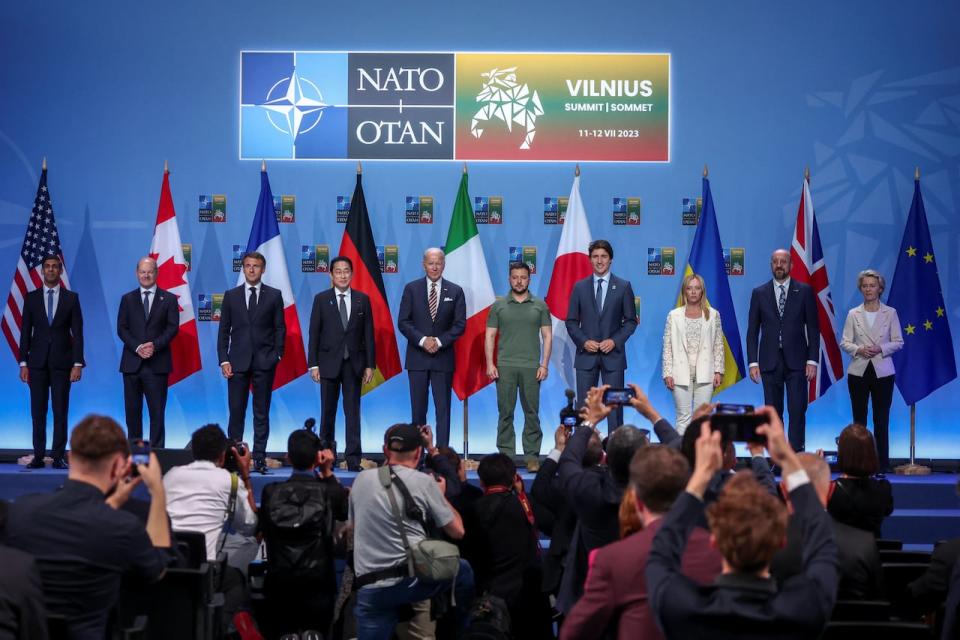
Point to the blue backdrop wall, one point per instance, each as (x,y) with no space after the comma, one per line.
(861,92)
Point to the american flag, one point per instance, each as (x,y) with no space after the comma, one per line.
(40,240)
(808,266)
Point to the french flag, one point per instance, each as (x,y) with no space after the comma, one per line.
(265,239)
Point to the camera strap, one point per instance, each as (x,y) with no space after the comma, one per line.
(228,514)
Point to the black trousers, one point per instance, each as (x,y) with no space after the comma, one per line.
(441,382)
(880,391)
(238,390)
(153,386)
(587,378)
(53,386)
(350,382)
(795,382)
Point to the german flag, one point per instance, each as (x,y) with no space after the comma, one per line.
(358,245)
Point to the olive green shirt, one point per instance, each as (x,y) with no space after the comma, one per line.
(518,326)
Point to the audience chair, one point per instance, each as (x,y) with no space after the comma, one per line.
(896,578)
(183,604)
(191,546)
(890,556)
(876,630)
(861,610)
(889,544)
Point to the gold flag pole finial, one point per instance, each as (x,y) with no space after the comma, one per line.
(916,173)
(705,171)
(806,174)
(576,171)
(359,168)
(166,167)
(43,165)
(263,166)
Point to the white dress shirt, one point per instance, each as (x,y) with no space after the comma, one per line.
(604,290)
(246,292)
(198,495)
(439,300)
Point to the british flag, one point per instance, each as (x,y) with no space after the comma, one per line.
(808,266)
(40,240)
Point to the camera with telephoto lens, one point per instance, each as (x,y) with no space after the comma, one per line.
(230,463)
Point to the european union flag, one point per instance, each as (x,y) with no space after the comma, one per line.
(926,361)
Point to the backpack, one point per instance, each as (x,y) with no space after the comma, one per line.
(299,531)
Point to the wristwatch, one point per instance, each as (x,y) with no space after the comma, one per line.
(586,423)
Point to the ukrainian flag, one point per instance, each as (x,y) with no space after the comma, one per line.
(706,259)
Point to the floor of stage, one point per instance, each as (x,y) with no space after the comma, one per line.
(927,508)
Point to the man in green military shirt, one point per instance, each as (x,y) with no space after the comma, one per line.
(522,321)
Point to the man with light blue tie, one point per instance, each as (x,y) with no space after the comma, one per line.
(783,343)
(600,319)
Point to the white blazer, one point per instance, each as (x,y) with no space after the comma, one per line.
(675,334)
(885,334)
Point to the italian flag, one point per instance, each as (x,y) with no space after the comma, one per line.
(466,266)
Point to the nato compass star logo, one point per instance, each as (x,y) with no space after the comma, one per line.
(294,105)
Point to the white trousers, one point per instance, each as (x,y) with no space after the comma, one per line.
(687,398)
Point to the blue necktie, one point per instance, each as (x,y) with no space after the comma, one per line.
(146,305)
(50,306)
(600,295)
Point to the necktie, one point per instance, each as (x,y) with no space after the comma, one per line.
(146,305)
(432,301)
(600,294)
(252,303)
(49,306)
(343,322)
(781,299)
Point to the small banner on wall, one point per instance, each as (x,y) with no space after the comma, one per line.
(327,105)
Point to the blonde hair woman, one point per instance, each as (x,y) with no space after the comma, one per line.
(871,335)
(692,350)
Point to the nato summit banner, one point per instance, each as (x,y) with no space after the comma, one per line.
(318,105)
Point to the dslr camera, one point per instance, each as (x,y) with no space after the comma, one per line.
(230,463)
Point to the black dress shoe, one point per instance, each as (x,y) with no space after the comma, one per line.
(36,463)
(260,466)
(60,463)
(354,467)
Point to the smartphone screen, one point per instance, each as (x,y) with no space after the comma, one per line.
(139,453)
(570,421)
(618,396)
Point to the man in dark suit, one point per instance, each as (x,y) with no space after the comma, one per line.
(341,355)
(51,357)
(614,601)
(858,560)
(747,526)
(249,346)
(148,320)
(601,317)
(432,316)
(783,315)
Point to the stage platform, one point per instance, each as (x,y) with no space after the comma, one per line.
(927,508)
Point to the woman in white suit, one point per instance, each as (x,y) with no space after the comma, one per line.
(871,334)
(692,351)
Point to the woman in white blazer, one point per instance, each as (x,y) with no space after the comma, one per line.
(871,334)
(692,351)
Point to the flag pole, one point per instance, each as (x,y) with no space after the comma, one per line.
(466,428)
(912,468)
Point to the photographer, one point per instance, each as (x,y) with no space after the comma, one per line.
(378,499)
(204,496)
(594,494)
(297,521)
(747,526)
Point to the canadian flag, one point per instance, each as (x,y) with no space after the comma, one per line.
(172,276)
(572,264)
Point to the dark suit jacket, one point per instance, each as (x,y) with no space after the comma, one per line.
(861,502)
(58,345)
(614,601)
(160,328)
(415,323)
(801,333)
(616,321)
(251,342)
(929,591)
(327,336)
(737,605)
(22,612)
(558,523)
(857,557)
